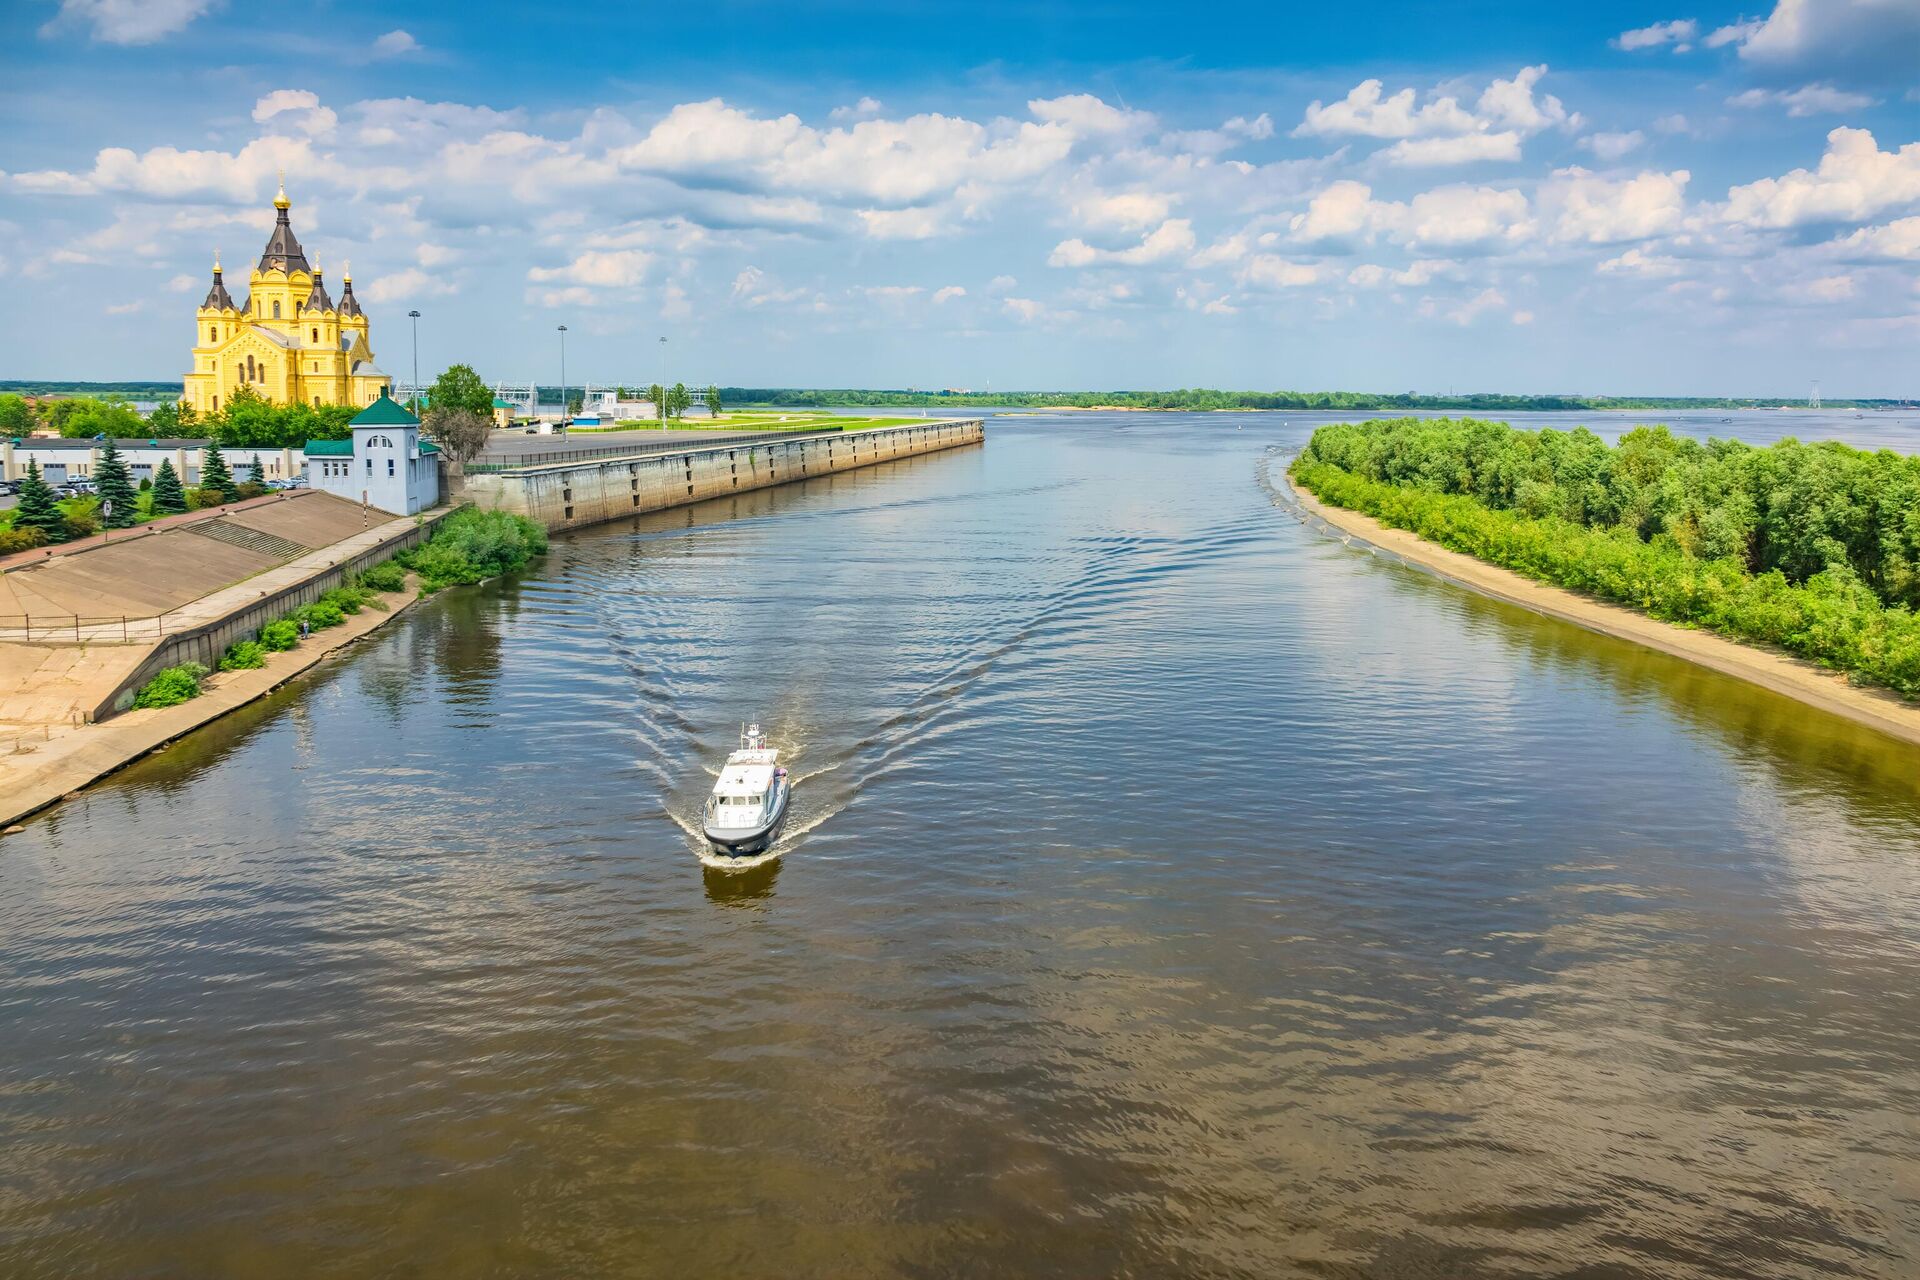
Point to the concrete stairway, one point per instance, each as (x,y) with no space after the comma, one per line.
(258,541)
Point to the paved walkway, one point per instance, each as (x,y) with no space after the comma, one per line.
(207,608)
(40,765)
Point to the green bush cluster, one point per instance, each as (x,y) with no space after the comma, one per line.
(172,686)
(471,545)
(1797,508)
(385,576)
(12,539)
(280,635)
(1832,617)
(243,655)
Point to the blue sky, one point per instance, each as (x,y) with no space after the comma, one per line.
(1656,198)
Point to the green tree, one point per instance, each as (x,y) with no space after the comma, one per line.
(713,401)
(679,399)
(169,498)
(171,418)
(116,487)
(257,470)
(658,395)
(214,473)
(37,508)
(80,417)
(461,388)
(16,415)
(575,399)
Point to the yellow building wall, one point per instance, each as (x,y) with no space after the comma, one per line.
(308,366)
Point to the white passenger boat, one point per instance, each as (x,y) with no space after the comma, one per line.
(749,802)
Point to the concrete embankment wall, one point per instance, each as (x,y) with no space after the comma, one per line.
(569,495)
(205,643)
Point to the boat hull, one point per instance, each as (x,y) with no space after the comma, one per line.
(740,842)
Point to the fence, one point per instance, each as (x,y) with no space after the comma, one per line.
(489,464)
(75,628)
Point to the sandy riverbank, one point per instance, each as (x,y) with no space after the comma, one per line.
(1779,672)
(69,758)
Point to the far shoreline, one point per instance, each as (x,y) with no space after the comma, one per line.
(1781,673)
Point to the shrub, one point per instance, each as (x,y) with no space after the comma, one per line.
(472,545)
(243,655)
(172,686)
(82,516)
(202,498)
(249,489)
(280,635)
(385,576)
(321,614)
(22,539)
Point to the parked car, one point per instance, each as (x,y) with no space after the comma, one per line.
(77,487)
(293,482)
(8,488)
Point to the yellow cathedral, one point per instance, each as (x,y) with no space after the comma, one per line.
(288,340)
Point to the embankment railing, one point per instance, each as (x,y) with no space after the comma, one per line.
(493,463)
(79,628)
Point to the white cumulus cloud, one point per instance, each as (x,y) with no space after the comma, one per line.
(1171,239)
(302,109)
(1680,33)
(1810,100)
(1898,240)
(395,44)
(128,21)
(1609,147)
(1855,181)
(1590,209)
(600,269)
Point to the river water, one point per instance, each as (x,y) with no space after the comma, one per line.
(1172,890)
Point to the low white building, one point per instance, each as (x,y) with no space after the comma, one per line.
(62,460)
(385,465)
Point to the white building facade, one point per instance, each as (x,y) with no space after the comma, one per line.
(385,464)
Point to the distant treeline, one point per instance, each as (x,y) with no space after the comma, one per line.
(1194,398)
(1202,398)
(1814,548)
(121,390)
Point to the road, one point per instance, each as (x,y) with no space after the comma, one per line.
(506,445)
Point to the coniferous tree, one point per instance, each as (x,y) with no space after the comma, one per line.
(116,486)
(259,475)
(37,508)
(169,498)
(214,473)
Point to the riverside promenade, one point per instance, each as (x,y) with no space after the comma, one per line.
(61,675)
(43,764)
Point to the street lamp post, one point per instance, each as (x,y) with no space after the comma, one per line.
(563,373)
(415,317)
(666,388)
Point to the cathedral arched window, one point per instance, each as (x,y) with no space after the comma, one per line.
(213,334)
(316,335)
(276,311)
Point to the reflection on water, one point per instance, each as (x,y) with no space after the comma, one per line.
(1169,890)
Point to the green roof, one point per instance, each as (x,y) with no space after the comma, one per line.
(384,413)
(427,446)
(329,448)
(504,404)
